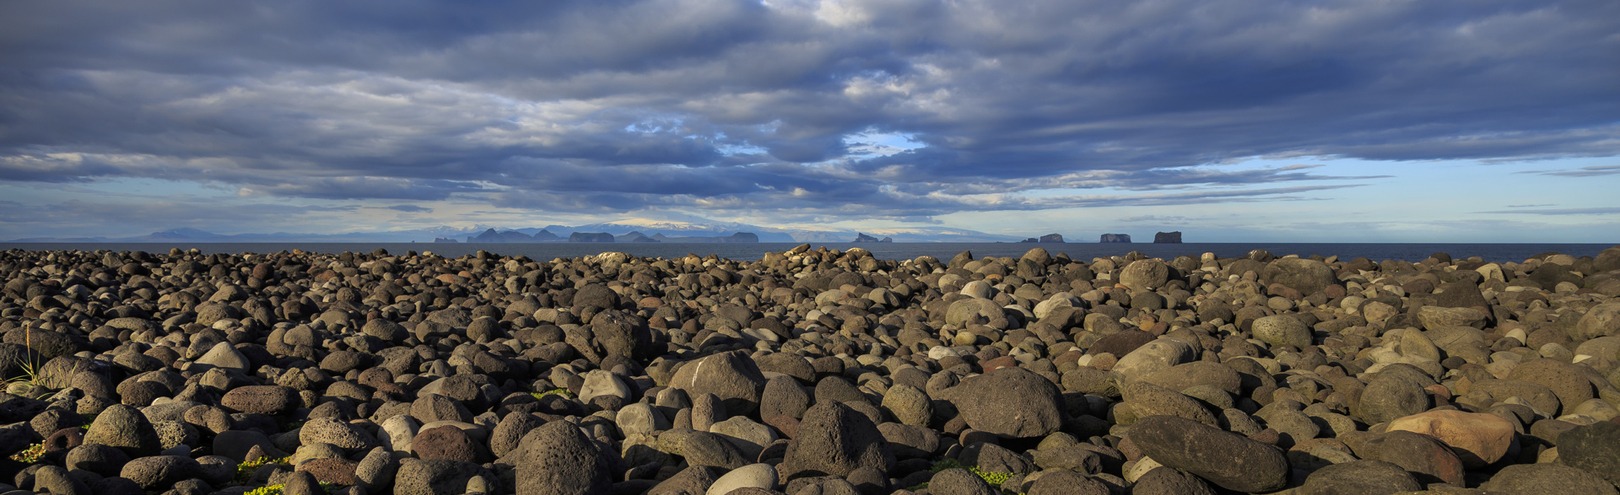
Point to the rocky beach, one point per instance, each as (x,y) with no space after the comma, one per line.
(807,372)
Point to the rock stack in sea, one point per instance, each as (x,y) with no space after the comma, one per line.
(810,371)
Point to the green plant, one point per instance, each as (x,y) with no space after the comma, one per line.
(27,383)
(266,490)
(278,489)
(30,455)
(244,471)
(993,478)
(556,391)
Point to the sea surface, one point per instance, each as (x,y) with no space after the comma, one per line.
(892,251)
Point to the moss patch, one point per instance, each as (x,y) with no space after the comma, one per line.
(30,455)
(556,391)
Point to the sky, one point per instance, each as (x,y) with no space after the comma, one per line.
(1229,120)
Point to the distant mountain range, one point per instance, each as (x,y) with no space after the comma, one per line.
(623,230)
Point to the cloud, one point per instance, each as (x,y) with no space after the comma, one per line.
(731,107)
(1591,171)
(1558,211)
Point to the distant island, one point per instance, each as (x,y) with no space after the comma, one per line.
(685,230)
(1115,239)
(591,237)
(1045,239)
(492,236)
(1173,237)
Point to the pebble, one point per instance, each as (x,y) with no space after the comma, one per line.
(809,371)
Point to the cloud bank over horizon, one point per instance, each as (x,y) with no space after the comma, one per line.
(1377,120)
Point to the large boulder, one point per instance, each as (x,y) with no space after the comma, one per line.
(1282,331)
(1394,392)
(159,471)
(261,399)
(1144,399)
(420,477)
(338,433)
(1608,260)
(1145,275)
(1565,380)
(1602,320)
(834,439)
(971,309)
(731,376)
(1154,356)
(1542,479)
(958,481)
(1421,455)
(1479,439)
(1304,275)
(1226,459)
(556,458)
(1012,402)
(1167,481)
(1594,448)
(596,297)
(126,428)
(1461,294)
(1360,477)
(622,334)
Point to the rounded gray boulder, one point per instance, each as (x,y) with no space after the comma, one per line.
(556,458)
(1012,402)
(834,439)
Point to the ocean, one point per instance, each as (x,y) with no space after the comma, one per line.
(892,251)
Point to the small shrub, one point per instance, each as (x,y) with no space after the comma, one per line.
(245,470)
(30,455)
(266,490)
(278,489)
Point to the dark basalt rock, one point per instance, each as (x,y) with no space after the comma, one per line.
(851,373)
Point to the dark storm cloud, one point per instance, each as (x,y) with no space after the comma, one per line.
(116,217)
(734,106)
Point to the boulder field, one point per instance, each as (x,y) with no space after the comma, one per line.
(810,371)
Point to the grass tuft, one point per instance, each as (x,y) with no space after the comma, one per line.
(556,391)
(27,384)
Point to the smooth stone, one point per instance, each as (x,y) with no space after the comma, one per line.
(1226,459)
(1282,331)
(1012,402)
(1542,479)
(1594,448)
(757,475)
(1359,477)
(1479,439)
